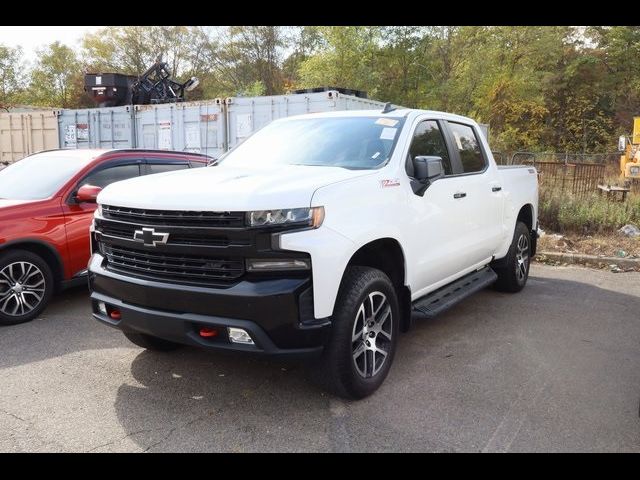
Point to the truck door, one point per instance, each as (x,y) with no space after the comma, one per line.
(440,238)
(479,195)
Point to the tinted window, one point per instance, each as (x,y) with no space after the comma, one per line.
(104,177)
(41,175)
(428,141)
(348,142)
(468,146)
(166,167)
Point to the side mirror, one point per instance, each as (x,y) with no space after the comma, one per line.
(88,193)
(426,170)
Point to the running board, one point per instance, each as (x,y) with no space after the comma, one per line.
(447,296)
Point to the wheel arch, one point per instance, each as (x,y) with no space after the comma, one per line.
(386,254)
(44,250)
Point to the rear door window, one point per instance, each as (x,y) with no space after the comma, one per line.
(466,141)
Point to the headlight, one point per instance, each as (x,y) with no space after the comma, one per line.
(312,217)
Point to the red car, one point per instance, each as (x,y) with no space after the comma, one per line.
(46,207)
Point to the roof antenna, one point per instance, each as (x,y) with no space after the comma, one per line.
(388,108)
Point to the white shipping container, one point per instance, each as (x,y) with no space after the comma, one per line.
(245,115)
(186,127)
(108,127)
(22,134)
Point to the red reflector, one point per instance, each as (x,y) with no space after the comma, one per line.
(115,314)
(208,332)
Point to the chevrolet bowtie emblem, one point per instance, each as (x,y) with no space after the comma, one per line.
(150,237)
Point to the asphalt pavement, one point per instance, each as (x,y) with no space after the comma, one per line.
(553,368)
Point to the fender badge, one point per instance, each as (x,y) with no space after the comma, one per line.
(390,183)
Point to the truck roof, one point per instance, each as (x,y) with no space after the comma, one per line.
(398,113)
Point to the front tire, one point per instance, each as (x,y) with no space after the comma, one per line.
(513,275)
(26,286)
(364,334)
(150,342)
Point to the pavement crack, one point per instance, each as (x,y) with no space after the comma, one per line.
(13,415)
(173,429)
(121,439)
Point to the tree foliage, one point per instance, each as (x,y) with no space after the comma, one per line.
(539,87)
(11,76)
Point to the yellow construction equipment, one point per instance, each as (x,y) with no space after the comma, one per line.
(630,159)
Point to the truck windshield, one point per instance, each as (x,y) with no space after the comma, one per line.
(348,142)
(39,176)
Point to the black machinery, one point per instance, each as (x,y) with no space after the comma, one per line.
(153,86)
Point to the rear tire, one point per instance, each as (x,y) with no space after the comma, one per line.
(364,334)
(26,286)
(514,272)
(150,342)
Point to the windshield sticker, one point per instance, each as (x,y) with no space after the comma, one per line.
(390,183)
(387,122)
(375,155)
(388,133)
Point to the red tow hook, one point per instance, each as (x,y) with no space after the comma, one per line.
(208,332)
(115,314)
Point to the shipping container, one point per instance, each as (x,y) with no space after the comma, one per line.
(245,115)
(22,134)
(186,127)
(109,127)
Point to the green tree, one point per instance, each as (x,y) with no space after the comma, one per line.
(350,59)
(54,78)
(11,76)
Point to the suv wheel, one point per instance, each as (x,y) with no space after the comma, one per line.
(26,286)
(364,334)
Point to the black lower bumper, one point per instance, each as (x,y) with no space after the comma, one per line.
(275,312)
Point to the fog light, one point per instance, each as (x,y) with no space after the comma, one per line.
(102,308)
(238,335)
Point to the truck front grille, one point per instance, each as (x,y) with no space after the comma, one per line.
(187,269)
(126,231)
(175,218)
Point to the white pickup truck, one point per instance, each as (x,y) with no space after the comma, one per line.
(319,235)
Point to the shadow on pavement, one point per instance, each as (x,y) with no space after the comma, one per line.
(455,380)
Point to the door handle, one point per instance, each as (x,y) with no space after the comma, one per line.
(459,195)
(496,189)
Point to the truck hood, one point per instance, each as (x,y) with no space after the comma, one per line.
(223,188)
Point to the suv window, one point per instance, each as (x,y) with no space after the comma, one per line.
(166,167)
(104,177)
(470,154)
(428,141)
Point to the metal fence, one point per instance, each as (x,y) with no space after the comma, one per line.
(574,173)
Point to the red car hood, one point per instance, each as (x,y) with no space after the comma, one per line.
(10,203)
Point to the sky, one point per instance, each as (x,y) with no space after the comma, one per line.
(30,38)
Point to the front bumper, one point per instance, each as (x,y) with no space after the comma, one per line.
(276,312)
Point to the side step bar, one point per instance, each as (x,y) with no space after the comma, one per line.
(447,296)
